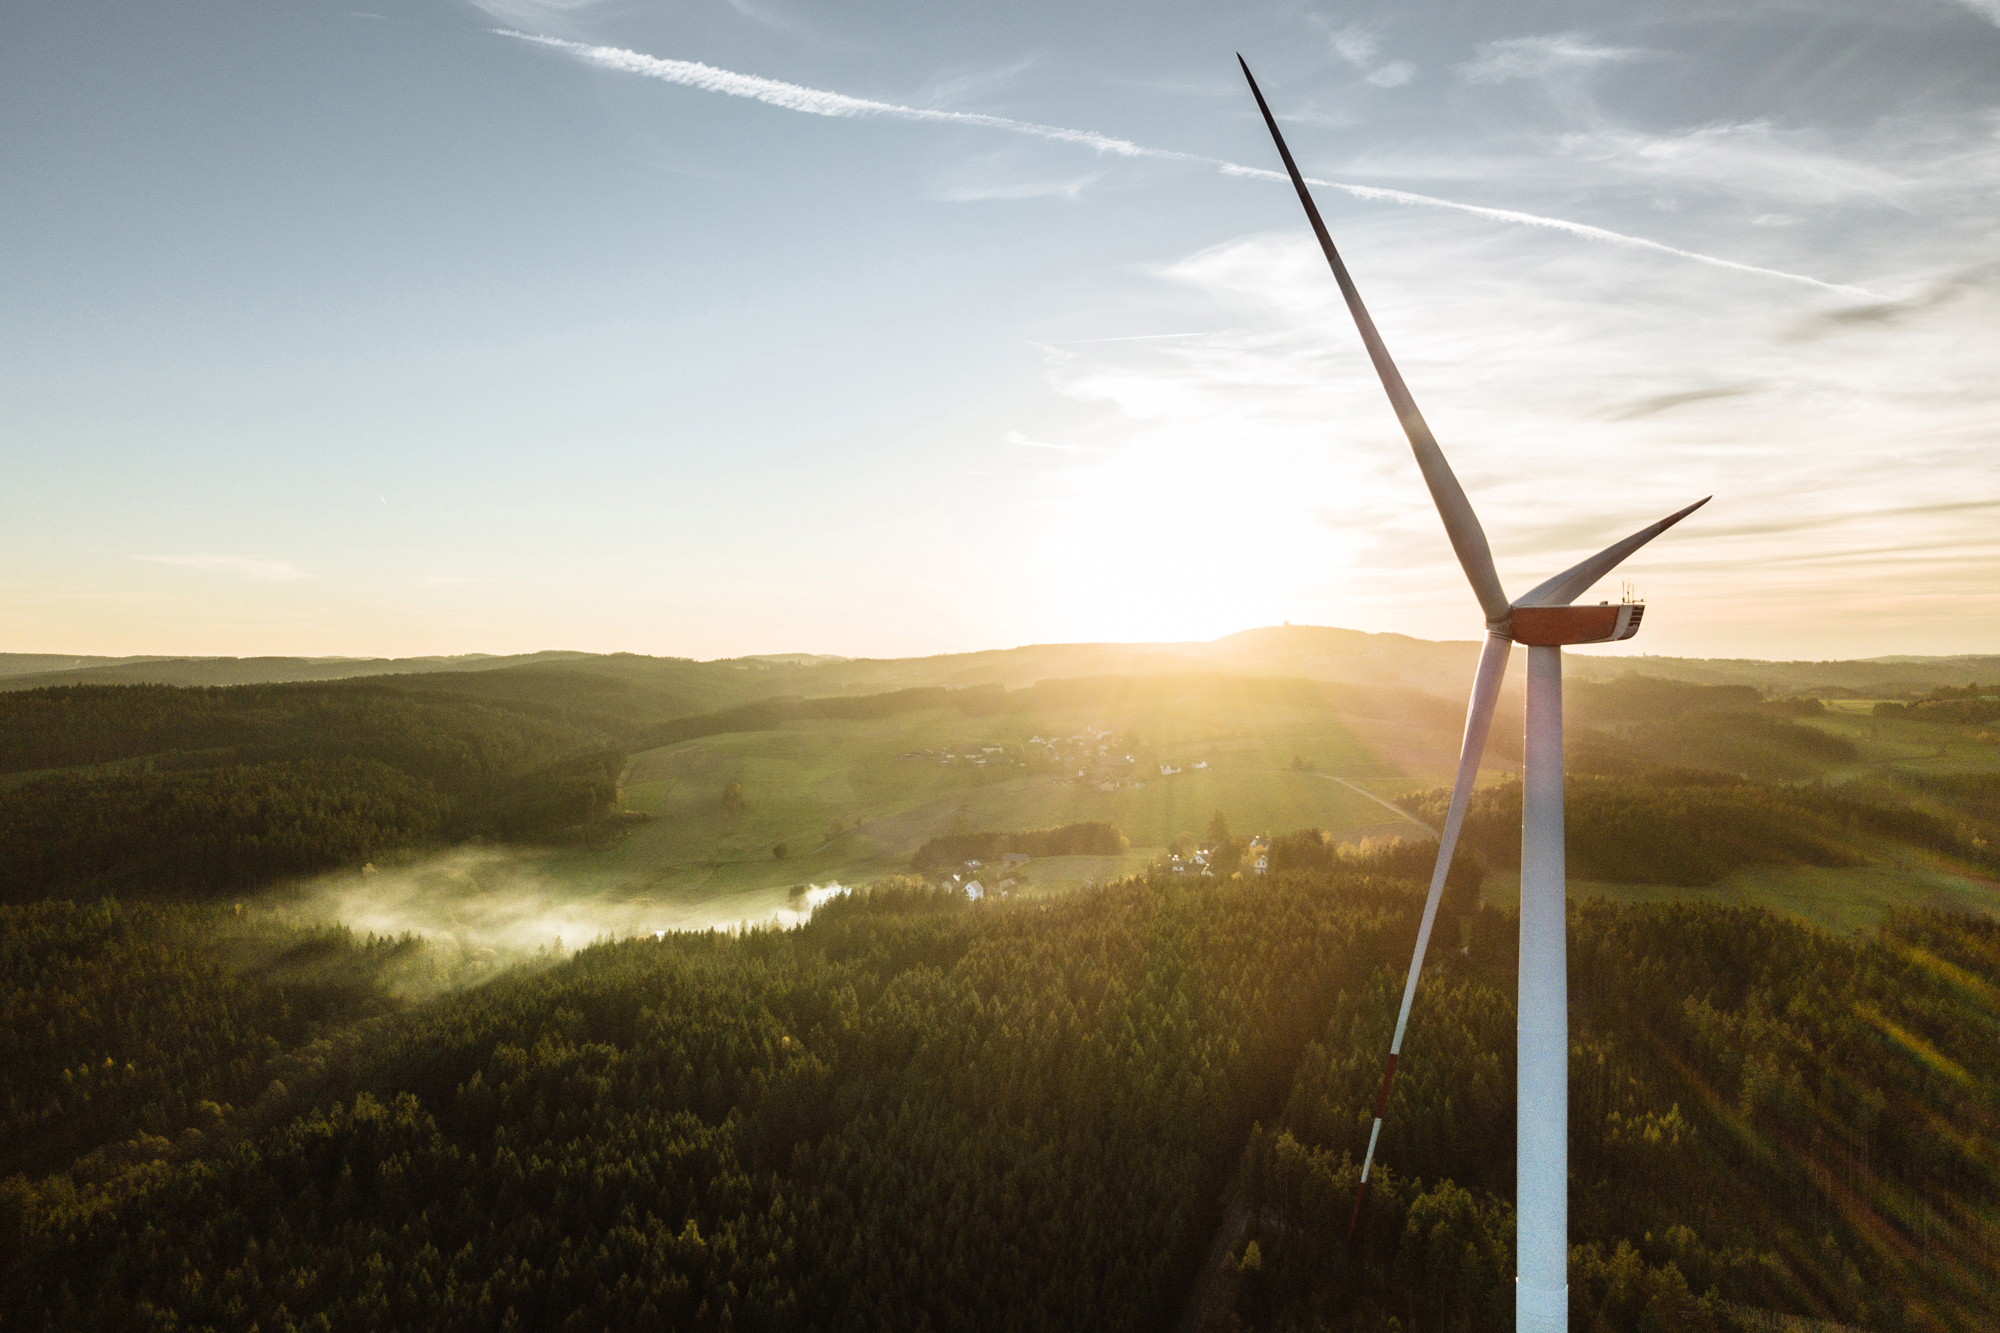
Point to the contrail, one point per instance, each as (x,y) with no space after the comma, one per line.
(819,102)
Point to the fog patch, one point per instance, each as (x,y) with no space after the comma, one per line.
(805,899)
(487,908)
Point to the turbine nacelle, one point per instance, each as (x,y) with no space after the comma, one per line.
(1544,617)
(1554,626)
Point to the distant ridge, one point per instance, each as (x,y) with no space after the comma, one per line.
(1311,652)
(30,671)
(1860,677)
(793,659)
(30,664)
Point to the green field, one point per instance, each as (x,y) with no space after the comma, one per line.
(693,852)
(561,810)
(1840,898)
(1907,744)
(695,863)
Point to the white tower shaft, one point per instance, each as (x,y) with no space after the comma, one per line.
(1541,1216)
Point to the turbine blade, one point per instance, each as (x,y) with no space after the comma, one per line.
(1573,582)
(1478,721)
(1461,524)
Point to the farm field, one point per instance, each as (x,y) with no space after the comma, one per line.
(1839,898)
(694,862)
(1906,744)
(589,797)
(797,779)
(1842,899)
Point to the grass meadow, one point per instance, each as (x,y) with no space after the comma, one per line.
(702,862)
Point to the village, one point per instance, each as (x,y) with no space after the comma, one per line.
(1095,758)
(1249,856)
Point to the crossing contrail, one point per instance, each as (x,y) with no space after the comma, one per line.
(820,102)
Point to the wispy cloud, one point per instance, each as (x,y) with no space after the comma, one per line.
(1748,158)
(1356,45)
(1016,437)
(820,102)
(1579,229)
(1654,404)
(1541,57)
(765,16)
(1979,281)
(1137,338)
(1637,416)
(538,12)
(965,85)
(1359,46)
(1986,9)
(241,566)
(978,191)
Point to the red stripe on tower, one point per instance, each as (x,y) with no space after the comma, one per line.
(1388,1077)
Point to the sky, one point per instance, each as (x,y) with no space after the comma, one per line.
(721,327)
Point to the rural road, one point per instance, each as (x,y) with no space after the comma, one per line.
(1390,806)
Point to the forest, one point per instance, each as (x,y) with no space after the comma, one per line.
(917,1111)
(1692,826)
(1088,839)
(156,790)
(151,790)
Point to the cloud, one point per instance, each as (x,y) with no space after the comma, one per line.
(1015,437)
(242,566)
(1277,411)
(784,23)
(1747,158)
(1579,229)
(1540,57)
(1790,524)
(976,191)
(1986,9)
(1654,404)
(1978,281)
(1137,338)
(1356,45)
(969,84)
(537,12)
(1359,46)
(819,102)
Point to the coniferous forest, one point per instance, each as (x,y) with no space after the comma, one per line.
(1136,1106)
(921,1112)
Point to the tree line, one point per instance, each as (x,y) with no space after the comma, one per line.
(1086,839)
(146,789)
(1692,827)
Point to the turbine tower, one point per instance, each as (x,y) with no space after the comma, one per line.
(1544,620)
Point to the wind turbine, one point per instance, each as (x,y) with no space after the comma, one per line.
(1545,621)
